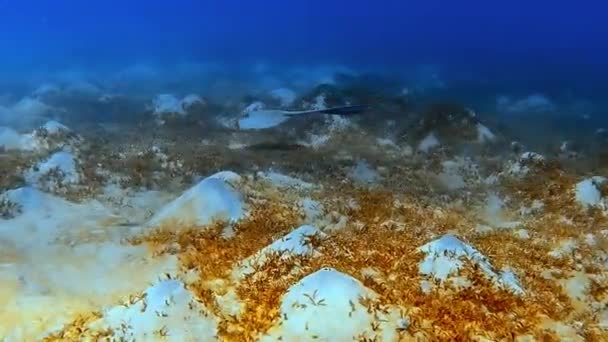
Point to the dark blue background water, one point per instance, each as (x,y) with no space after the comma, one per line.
(536,44)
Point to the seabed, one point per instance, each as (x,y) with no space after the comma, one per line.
(308,232)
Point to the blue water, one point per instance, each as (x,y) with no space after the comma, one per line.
(470,52)
(515,40)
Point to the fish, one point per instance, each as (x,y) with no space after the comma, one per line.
(268,118)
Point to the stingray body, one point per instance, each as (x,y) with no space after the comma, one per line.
(268,118)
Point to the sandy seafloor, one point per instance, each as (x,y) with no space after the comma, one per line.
(179,228)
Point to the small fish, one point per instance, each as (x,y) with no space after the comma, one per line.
(268,118)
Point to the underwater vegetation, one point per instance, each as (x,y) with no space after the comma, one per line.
(414,220)
(303,171)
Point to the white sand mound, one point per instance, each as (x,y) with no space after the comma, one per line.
(211,199)
(326,305)
(444,260)
(296,243)
(61,259)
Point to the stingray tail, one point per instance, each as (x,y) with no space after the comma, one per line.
(343,110)
(346,110)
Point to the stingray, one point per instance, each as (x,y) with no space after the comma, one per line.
(268,118)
